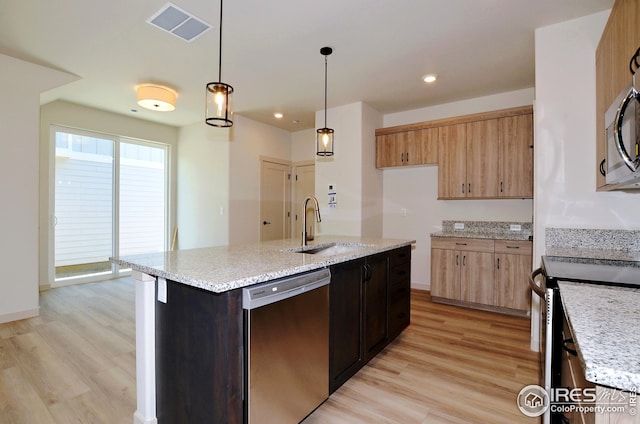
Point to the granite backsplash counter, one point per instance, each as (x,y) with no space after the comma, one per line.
(597,244)
(496,230)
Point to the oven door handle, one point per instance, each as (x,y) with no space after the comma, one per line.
(565,342)
(532,283)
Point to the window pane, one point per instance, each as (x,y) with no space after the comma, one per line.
(142,199)
(83,206)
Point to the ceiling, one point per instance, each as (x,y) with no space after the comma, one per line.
(271,52)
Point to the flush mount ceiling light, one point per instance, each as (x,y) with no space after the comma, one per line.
(156,97)
(429,78)
(218,110)
(324,136)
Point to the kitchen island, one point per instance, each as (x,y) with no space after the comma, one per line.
(196,294)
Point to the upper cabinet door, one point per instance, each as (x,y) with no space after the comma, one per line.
(422,147)
(482,158)
(452,161)
(515,165)
(389,150)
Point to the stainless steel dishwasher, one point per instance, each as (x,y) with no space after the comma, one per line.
(286,325)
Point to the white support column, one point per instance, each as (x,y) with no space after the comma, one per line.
(145,349)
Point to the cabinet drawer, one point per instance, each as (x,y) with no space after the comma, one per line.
(400,273)
(475,245)
(398,291)
(399,316)
(400,256)
(513,247)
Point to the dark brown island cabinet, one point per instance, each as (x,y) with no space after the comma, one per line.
(199,337)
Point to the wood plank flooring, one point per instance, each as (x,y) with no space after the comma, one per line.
(75,363)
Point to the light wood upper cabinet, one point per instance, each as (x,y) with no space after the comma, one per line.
(619,41)
(404,148)
(452,161)
(515,153)
(482,158)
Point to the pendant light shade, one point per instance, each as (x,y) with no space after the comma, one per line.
(324,136)
(218,111)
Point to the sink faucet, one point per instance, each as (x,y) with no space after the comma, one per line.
(316,207)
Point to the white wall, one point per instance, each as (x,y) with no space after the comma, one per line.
(566,135)
(203,186)
(21,85)
(372,203)
(415,189)
(249,141)
(303,145)
(346,170)
(86,118)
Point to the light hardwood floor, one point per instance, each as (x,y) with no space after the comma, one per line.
(75,363)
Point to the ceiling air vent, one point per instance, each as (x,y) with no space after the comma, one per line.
(179,22)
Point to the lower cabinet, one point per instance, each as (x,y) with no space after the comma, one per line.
(481,273)
(369,306)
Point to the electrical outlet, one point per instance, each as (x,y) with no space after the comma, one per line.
(458,226)
(515,227)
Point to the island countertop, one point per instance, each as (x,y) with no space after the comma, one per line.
(604,322)
(224,268)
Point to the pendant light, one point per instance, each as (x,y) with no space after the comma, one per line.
(324,136)
(218,110)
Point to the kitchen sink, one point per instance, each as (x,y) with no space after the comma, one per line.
(331,249)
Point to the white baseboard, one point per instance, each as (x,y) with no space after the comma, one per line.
(15,316)
(421,286)
(139,419)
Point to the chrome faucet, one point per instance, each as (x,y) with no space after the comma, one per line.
(316,207)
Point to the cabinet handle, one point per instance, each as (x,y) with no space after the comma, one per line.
(402,157)
(513,247)
(602,171)
(498,266)
(462,188)
(500,186)
(407,155)
(461,244)
(469,191)
(565,342)
(457,260)
(464,260)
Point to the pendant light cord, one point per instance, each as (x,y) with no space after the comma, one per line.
(220,47)
(325,91)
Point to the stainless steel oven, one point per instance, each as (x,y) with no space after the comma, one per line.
(544,283)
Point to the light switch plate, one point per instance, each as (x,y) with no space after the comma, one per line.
(515,227)
(458,226)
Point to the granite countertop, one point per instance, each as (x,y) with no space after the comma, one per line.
(605,321)
(500,235)
(224,268)
(590,253)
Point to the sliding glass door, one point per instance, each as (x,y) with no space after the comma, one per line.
(110,199)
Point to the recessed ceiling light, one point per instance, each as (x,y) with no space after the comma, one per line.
(429,78)
(278,115)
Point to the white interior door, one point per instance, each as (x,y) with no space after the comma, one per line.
(304,185)
(275,200)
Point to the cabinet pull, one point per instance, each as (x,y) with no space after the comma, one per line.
(498,265)
(513,247)
(602,171)
(464,260)
(407,156)
(402,157)
(500,186)
(565,342)
(457,260)
(469,191)
(461,244)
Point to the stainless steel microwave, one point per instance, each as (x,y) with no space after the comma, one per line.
(622,123)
